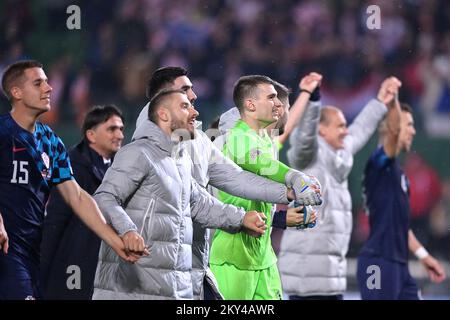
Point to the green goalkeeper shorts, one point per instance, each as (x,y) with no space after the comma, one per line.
(237,284)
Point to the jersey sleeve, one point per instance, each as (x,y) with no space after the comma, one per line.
(247,153)
(379,158)
(62,169)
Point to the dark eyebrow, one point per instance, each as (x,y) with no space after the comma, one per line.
(114,127)
(40,80)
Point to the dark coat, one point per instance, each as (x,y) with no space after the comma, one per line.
(66,240)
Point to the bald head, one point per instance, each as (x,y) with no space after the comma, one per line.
(333,126)
(328,113)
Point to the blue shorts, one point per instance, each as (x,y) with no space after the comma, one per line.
(395,282)
(18,278)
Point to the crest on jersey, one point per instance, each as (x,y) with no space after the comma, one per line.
(404,183)
(254,153)
(46,160)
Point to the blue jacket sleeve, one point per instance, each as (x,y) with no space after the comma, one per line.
(279,219)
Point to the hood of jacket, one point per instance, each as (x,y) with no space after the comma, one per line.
(228,120)
(149,130)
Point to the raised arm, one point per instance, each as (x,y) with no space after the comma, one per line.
(368,119)
(308,92)
(303,140)
(391,129)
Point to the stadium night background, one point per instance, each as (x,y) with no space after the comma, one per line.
(102,52)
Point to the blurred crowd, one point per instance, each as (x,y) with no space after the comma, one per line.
(121,42)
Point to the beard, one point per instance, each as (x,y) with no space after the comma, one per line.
(181,131)
(281,123)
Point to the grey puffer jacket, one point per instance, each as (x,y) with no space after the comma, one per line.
(312,262)
(211,167)
(150,189)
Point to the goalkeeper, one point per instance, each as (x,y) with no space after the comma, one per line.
(244,268)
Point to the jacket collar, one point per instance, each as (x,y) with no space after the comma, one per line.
(340,160)
(150,131)
(83,155)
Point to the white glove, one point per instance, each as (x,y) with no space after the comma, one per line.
(307,188)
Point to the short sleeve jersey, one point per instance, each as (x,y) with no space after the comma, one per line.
(31,164)
(386,192)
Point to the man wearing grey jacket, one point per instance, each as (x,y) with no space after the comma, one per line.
(149,192)
(210,166)
(323,146)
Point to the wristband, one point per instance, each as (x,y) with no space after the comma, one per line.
(421,253)
(304,90)
(315,95)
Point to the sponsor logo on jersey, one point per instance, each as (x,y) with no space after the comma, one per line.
(18,149)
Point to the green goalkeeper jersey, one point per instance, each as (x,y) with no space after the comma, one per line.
(253,152)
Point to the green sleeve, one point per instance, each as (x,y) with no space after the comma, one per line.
(279,144)
(252,155)
(268,167)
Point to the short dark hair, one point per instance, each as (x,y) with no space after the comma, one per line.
(158,99)
(161,78)
(98,115)
(246,86)
(14,72)
(282,91)
(406,107)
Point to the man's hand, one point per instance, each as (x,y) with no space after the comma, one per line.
(434,269)
(310,82)
(307,188)
(312,218)
(4,241)
(294,216)
(134,244)
(254,223)
(117,245)
(389,91)
(311,223)
(290,194)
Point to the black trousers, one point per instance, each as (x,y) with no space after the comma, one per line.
(209,293)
